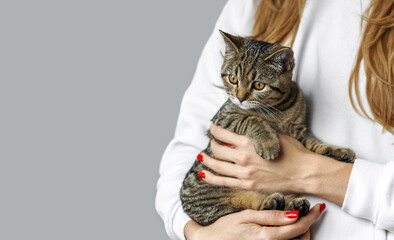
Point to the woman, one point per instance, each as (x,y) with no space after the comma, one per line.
(326,36)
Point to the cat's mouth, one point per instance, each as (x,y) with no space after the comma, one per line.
(243,105)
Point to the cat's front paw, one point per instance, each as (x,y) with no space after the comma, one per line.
(301,204)
(268,150)
(340,154)
(346,155)
(275,201)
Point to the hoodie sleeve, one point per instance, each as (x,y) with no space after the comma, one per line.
(200,102)
(370,193)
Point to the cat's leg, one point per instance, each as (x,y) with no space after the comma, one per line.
(261,134)
(301,133)
(294,202)
(339,153)
(255,200)
(258,130)
(264,138)
(245,199)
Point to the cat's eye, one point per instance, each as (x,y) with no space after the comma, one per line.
(232,79)
(258,85)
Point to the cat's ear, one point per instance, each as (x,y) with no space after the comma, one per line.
(283,56)
(233,43)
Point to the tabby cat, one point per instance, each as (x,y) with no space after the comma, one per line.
(263,101)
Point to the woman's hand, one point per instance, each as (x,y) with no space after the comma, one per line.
(296,170)
(251,224)
(252,172)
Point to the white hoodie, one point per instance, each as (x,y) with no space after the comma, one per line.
(325,50)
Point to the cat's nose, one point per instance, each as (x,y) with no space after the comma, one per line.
(242,96)
(241,99)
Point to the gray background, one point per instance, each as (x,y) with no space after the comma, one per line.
(89,97)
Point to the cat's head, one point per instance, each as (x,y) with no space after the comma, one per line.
(256,73)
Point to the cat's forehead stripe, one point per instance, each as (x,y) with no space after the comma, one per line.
(258,46)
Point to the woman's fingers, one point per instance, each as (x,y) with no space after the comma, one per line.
(288,225)
(240,155)
(298,228)
(223,152)
(232,175)
(227,136)
(224,168)
(220,181)
(242,151)
(269,217)
(306,236)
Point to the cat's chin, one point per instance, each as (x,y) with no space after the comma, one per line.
(244,105)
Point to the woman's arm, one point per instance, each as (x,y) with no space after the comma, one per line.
(365,189)
(297,170)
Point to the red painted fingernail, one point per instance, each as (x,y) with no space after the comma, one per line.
(292,214)
(228,145)
(322,207)
(199,157)
(201,174)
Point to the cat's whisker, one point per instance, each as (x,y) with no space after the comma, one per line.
(219,86)
(274,108)
(263,113)
(272,115)
(221,95)
(275,118)
(221,53)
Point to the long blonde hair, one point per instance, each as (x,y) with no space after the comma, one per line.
(277,21)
